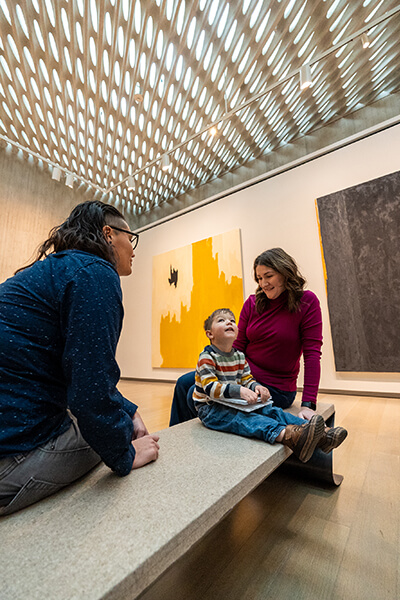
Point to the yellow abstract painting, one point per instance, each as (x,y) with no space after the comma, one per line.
(189,283)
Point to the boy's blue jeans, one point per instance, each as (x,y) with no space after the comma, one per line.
(265,423)
(183,409)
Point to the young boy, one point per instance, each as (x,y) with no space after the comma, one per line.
(222,373)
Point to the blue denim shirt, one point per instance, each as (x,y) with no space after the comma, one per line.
(60,322)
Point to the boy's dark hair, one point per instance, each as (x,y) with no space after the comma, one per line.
(216,313)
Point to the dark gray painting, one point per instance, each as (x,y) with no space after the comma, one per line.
(360,231)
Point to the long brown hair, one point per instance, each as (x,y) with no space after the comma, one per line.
(282,263)
(82,230)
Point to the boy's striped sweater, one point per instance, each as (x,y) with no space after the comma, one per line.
(221,374)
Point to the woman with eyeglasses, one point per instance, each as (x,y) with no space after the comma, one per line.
(60,321)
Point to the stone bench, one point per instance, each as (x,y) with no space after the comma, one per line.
(108,537)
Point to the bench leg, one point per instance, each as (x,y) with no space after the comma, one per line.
(319,467)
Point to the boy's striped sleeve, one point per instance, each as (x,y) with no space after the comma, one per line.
(209,385)
(247,378)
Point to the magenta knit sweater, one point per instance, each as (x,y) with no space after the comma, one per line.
(274,341)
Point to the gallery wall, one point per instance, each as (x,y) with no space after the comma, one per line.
(277,212)
(31,203)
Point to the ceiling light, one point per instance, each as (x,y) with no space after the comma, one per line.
(213,131)
(69,180)
(138,96)
(365,40)
(305,77)
(142,60)
(165,163)
(56,175)
(131,183)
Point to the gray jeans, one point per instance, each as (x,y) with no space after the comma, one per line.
(29,477)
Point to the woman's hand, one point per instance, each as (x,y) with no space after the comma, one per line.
(139,428)
(146,449)
(263,392)
(306,413)
(248,395)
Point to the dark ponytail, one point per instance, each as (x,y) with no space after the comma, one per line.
(83,230)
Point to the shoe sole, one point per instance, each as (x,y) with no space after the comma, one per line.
(315,432)
(336,437)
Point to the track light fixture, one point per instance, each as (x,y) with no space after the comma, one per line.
(305,77)
(165,162)
(56,175)
(365,40)
(138,96)
(69,180)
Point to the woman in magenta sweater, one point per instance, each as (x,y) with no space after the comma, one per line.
(276,326)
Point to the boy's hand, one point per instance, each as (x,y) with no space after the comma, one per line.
(263,392)
(248,395)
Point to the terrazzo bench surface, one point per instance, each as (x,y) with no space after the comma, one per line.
(108,537)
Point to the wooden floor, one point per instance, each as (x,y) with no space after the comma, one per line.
(290,539)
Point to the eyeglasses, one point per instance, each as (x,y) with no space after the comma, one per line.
(135,236)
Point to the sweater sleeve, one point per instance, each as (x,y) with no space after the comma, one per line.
(241,340)
(206,380)
(311,334)
(91,323)
(247,378)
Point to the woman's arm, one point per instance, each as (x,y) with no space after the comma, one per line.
(91,323)
(311,335)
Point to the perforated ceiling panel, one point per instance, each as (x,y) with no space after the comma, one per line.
(105,89)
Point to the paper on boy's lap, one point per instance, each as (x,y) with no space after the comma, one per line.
(243,405)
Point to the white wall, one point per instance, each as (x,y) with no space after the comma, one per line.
(277,212)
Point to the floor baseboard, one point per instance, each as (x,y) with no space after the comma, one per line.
(321,390)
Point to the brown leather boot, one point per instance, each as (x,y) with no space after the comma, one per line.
(303,439)
(332,438)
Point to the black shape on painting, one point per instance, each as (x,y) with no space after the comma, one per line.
(173,276)
(360,231)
